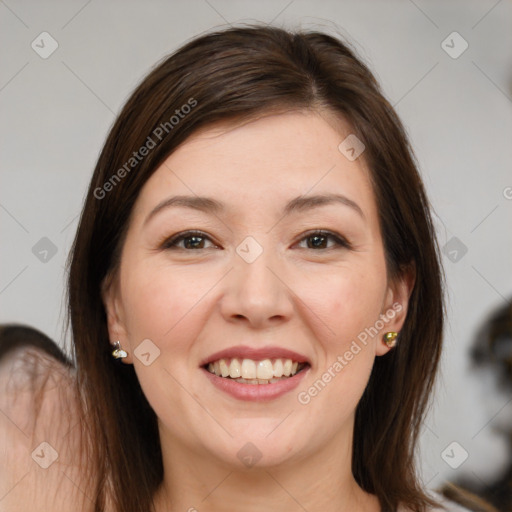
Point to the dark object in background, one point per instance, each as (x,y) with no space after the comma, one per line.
(467,499)
(492,352)
(14,336)
(493,346)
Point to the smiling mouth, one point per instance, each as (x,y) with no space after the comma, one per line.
(249,371)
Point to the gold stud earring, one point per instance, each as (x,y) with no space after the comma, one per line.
(118,352)
(390,339)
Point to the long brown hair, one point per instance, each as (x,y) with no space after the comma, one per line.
(239,74)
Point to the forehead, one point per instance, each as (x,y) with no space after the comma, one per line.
(263,164)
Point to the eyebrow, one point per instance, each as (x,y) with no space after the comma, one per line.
(298,204)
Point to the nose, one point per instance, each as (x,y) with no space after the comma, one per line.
(257,293)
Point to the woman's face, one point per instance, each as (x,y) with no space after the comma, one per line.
(254,287)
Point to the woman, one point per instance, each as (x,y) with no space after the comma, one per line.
(254,293)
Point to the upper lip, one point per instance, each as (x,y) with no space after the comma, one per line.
(256,354)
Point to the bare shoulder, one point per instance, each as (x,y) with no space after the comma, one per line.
(40,434)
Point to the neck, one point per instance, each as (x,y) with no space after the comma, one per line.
(322,480)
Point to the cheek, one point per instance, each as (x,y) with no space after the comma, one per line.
(168,307)
(160,302)
(349,301)
(349,304)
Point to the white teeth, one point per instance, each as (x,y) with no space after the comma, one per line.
(287,367)
(249,371)
(278,368)
(224,369)
(234,369)
(264,369)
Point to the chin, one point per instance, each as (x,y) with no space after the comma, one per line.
(254,448)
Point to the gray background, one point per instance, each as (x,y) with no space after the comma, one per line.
(56,113)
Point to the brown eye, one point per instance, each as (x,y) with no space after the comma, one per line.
(191,240)
(323,240)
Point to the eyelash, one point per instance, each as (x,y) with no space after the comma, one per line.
(171,243)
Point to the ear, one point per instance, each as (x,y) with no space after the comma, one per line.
(115,316)
(395,306)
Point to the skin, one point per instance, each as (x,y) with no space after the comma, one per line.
(193,302)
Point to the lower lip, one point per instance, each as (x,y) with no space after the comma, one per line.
(256,392)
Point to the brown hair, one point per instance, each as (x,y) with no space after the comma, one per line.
(239,74)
